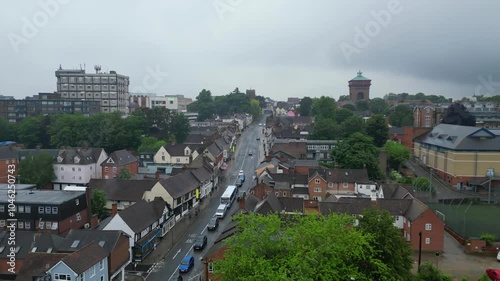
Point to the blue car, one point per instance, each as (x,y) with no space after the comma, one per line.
(186,264)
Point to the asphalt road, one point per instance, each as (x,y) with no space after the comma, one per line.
(247,141)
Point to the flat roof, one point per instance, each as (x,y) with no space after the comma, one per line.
(4,186)
(48,197)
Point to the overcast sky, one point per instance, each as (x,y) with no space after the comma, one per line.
(280,48)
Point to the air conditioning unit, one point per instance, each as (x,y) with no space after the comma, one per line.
(87,225)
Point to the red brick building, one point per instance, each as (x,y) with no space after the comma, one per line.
(118,160)
(8,157)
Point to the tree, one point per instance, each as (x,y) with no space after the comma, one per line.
(8,130)
(429,272)
(342,115)
(396,154)
(324,107)
(391,248)
(457,114)
(401,116)
(362,105)
(262,101)
(299,248)
(28,132)
(325,129)
(150,144)
(206,105)
(124,174)
(255,109)
(421,183)
(377,128)
(180,127)
(305,108)
(98,203)
(37,170)
(378,106)
(344,97)
(353,124)
(349,107)
(358,152)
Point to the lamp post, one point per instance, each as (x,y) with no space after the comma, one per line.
(490,173)
(430,184)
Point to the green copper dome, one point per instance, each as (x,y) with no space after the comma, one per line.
(360,77)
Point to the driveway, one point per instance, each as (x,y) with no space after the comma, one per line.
(455,262)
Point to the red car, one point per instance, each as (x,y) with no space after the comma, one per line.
(494,274)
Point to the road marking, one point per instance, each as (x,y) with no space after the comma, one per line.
(204,229)
(176,254)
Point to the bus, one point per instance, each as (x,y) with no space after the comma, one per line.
(229,195)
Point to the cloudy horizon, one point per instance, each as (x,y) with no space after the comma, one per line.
(279,48)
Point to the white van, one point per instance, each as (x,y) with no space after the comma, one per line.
(221,211)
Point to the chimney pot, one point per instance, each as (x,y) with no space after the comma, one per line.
(94,221)
(114,209)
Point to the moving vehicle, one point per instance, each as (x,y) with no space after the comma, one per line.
(239,183)
(229,195)
(213,224)
(200,242)
(258,138)
(241,175)
(493,274)
(250,152)
(221,211)
(186,264)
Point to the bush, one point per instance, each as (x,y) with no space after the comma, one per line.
(488,237)
(484,277)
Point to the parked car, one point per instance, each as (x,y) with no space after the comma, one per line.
(186,264)
(241,175)
(221,211)
(493,274)
(213,224)
(498,256)
(200,242)
(239,182)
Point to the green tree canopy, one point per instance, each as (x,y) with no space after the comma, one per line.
(206,105)
(353,124)
(326,129)
(37,170)
(356,152)
(421,183)
(300,248)
(180,127)
(396,154)
(305,108)
(28,131)
(457,114)
(349,106)
(391,248)
(342,115)
(377,128)
(98,203)
(401,116)
(324,107)
(124,174)
(378,106)
(8,130)
(362,105)
(255,109)
(150,144)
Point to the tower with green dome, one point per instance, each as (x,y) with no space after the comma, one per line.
(359,87)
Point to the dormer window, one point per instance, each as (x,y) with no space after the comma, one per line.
(77,159)
(59,159)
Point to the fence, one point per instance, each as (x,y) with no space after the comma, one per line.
(468,218)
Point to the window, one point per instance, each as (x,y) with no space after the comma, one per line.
(73,169)
(114,169)
(277,193)
(284,193)
(20,225)
(408,237)
(78,217)
(27,209)
(102,278)
(54,210)
(2,208)
(41,225)
(59,276)
(48,225)
(2,223)
(82,276)
(345,185)
(77,201)
(317,181)
(41,210)
(92,271)
(210,267)
(330,184)
(428,226)
(55,225)
(317,189)
(408,223)
(20,209)
(427,241)
(48,210)
(27,225)
(106,169)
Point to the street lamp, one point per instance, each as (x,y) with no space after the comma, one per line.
(490,173)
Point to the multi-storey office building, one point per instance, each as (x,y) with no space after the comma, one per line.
(111,89)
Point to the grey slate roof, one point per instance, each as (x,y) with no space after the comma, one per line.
(274,204)
(86,155)
(22,153)
(290,178)
(175,149)
(42,196)
(120,158)
(7,152)
(202,174)
(396,131)
(84,258)
(465,138)
(142,214)
(306,163)
(107,239)
(28,240)
(122,190)
(36,264)
(180,184)
(300,190)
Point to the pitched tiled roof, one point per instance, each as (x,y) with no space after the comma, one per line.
(180,184)
(84,258)
(6,152)
(290,204)
(120,158)
(107,239)
(175,149)
(22,153)
(306,163)
(122,190)
(36,264)
(142,214)
(28,240)
(86,155)
(290,178)
(416,209)
(350,175)
(202,174)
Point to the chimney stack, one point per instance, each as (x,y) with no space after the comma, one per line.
(114,209)
(157,175)
(94,221)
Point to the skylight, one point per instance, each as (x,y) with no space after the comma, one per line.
(101,243)
(34,249)
(1,249)
(49,250)
(75,243)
